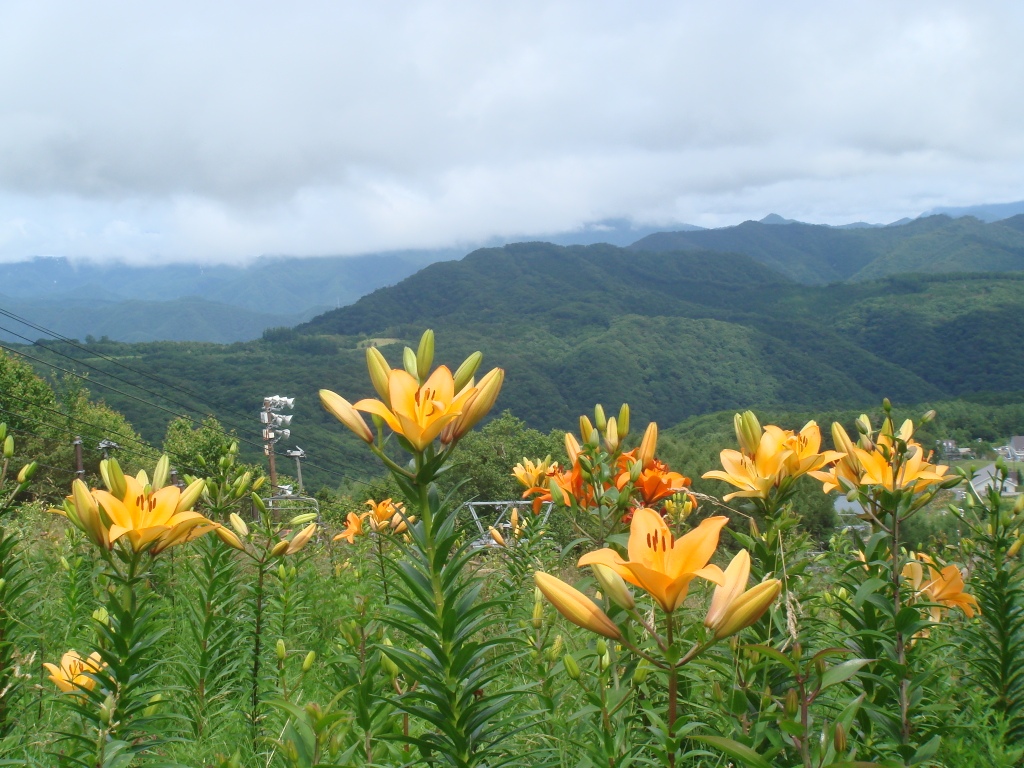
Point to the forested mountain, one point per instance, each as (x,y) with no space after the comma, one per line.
(816,255)
(674,334)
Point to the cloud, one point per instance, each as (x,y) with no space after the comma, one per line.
(219,132)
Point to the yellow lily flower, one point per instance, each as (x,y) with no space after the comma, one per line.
(342,410)
(779,454)
(874,466)
(354,528)
(575,606)
(733,606)
(947,588)
(419,413)
(658,562)
(386,514)
(72,676)
(152,520)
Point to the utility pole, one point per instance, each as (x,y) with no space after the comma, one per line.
(79,467)
(272,422)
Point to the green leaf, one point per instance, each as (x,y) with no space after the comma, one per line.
(734,749)
(840,673)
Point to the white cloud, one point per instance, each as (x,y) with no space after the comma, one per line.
(217,132)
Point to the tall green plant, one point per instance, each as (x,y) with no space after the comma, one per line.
(996,641)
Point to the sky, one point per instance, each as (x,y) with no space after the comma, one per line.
(219,132)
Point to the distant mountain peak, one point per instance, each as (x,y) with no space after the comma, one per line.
(774,218)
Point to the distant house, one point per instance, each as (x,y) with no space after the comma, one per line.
(987,477)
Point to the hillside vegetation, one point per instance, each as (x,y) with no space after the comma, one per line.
(674,334)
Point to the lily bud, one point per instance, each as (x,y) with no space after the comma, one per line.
(380,372)
(259,483)
(586,429)
(302,519)
(645,456)
(613,585)
(238,524)
(643,669)
(301,539)
(611,436)
(279,548)
(928,416)
(27,472)
(747,608)
(486,394)
(467,370)
(601,646)
(307,663)
(1015,547)
(748,432)
(162,472)
(791,703)
(514,521)
(599,418)
(342,410)
(538,614)
(623,420)
(605,661)
(556,649)
(497,537)
(572,447)
(839,738)
(113,477)
(425,355)
(282,652)
(190,496)
(575,606)
(409,363)
(154,705)
(388,664)
(101,615)
(571,667)
(229,538)
(9,447)
(863,424)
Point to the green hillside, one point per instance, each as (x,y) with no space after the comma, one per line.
(816,255)
(674,334)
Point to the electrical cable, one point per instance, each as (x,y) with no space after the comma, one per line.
(118,363)
(251,443)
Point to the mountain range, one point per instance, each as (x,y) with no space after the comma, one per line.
(674,333)
(226,303)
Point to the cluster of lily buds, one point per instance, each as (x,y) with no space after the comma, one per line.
(147,513)
(386,516)
(26,473)
(418,407)
(516,526)
(944,588)
(664,566)
(646,480)
(74,674)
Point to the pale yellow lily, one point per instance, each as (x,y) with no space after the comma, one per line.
(661,564)
(419,413)
(151,520)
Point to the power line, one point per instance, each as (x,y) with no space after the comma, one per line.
(99,354)
(31,342)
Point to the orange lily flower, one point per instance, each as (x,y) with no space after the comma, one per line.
(354,528)
(655,483)
(385,514)
(72,676)
(661,564)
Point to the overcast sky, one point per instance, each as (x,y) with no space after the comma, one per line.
(198,131)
